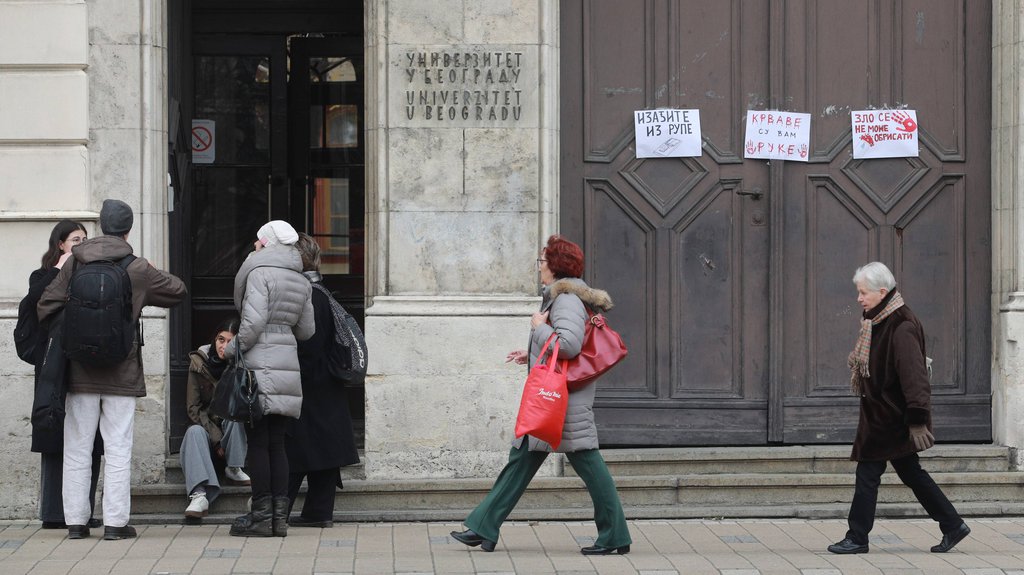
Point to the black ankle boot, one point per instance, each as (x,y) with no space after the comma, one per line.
(256,523)
(281,516)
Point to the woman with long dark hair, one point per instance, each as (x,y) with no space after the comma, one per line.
(49,441)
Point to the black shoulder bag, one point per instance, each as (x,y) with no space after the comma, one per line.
(237,397)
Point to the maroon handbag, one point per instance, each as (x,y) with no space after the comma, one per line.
(602,349)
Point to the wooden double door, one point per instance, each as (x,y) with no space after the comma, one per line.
(732,277)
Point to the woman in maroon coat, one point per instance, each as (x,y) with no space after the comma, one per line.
(890,373)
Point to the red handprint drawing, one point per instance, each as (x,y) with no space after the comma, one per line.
(750,147)
(909,125)
(868,139)
(803,150)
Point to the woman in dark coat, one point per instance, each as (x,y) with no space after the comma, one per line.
(49,441)
(563,312)
(320,442)
(889,371)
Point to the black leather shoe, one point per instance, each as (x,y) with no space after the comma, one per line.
(468,537)
(95,523)
(77,531)
(949,540)
(54,525)
(847,547)
(300,521)
(117,533)
(595,550)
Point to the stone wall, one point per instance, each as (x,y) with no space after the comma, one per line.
(1007,222)
(469,86)
(82,118)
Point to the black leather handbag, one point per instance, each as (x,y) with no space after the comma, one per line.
(237,397)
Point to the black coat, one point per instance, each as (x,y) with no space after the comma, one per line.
(44,440)
(322,436)
(898,393)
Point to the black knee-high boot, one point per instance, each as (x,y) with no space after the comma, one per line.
(256,523)
(281,505)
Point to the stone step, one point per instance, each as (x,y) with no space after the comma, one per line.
(174,474)
(408,498)
(788,459)
(797,481)
(219,516)
(817,488)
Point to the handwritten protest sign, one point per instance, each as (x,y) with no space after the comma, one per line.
(884,133)
(773,135)
(667,133)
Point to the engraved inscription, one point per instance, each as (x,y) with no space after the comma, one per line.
(466,84)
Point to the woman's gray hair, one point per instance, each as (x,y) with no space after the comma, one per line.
(875,276)
(309,250)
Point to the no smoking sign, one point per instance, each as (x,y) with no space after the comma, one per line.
(204,136)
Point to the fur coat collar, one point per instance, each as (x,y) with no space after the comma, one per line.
(595,298)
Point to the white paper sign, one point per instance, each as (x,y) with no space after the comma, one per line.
(667,133)
(204,145)
(773,135)
(884,133)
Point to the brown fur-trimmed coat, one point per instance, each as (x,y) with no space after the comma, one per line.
(565,299)
(898,393)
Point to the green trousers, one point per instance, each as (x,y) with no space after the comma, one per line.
(522,465)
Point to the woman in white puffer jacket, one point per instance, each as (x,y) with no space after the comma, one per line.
(274,301)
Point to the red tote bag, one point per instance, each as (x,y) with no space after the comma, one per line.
(545,398)
(602,349)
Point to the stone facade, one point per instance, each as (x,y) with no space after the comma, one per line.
(451,241)
(1007,224)
(472,86)
(82,118)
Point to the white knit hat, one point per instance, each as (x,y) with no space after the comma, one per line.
(277,232)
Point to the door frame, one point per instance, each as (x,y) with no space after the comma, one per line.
(187,20)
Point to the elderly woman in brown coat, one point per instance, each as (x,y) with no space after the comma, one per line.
(562,312)
(890,373)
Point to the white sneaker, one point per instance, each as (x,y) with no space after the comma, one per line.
(237,476)
(198,506)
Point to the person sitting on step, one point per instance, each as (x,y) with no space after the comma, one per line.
(209,435)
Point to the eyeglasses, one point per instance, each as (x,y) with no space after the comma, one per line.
(541,260)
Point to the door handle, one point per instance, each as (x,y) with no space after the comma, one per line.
(270,197)
(756,193)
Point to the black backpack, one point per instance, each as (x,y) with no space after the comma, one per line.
(26,332)
(98,325)
(346,359)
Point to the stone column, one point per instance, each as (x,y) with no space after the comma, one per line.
(128,161)
(1007,225)
(462,190)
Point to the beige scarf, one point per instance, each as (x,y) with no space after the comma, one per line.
(861,354)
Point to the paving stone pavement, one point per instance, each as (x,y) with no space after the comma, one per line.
(718,547)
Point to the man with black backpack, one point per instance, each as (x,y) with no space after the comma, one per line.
(102,293)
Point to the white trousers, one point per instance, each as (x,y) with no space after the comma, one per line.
(115,416)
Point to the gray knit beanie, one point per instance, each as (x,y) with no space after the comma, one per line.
(115,218)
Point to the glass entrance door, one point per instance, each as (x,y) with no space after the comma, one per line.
(327,158)
(277,128)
